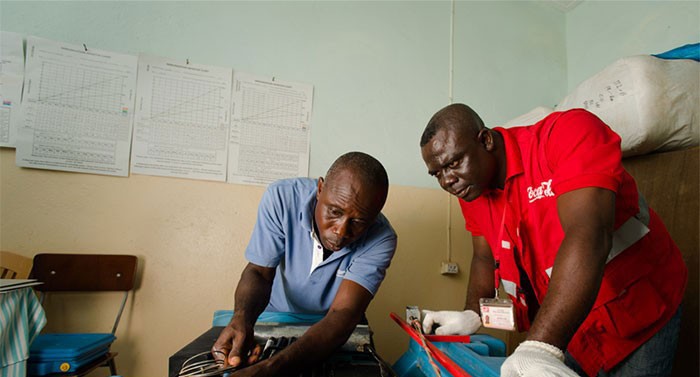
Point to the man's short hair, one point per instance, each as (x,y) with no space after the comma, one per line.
(365,167)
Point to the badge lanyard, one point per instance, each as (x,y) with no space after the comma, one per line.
(497,256)
(496,312)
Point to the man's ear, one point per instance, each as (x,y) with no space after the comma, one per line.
(485,137)
(319,187)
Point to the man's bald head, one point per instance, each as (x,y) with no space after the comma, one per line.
(456,116)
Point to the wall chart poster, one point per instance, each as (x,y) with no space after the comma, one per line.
(270,129)
(77,109)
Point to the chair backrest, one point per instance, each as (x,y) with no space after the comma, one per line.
(14,266)
(85,273)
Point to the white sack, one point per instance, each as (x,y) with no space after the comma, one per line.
(535,115)
(651,103)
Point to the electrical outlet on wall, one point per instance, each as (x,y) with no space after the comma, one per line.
(449,268)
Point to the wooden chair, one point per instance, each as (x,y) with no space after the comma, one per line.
(80,273)
(14,266)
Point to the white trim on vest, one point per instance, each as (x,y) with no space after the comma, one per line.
(510,287)
(628,233)
(631,231)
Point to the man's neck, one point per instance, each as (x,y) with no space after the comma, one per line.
(500,155)
(326,253)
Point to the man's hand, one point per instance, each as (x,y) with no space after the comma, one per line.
(451,322)
(536,359)
(236,345)
(257,370)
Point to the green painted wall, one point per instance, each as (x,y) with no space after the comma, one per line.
(380,69)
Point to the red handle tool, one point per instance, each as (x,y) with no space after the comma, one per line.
(440,357)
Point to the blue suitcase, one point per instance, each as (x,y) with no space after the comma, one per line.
(60,353)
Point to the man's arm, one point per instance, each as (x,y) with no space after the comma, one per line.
(587,217)
(321,339)
(481,281)
(251,297)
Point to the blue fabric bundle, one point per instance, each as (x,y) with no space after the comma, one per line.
(689,51)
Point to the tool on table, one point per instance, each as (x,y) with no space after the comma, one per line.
(274,345)
(268,348)
(201,365)
(414,330)
(413,319)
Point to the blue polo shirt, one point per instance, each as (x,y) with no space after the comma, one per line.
(282,238)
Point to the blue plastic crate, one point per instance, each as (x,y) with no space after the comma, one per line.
(56,353)
(481,357)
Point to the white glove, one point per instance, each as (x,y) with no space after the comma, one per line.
(536,359)
(451,322)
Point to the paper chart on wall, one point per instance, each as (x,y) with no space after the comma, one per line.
(270,129)
(11,78)
(181,126)
(77,109)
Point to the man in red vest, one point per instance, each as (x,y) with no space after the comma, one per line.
(559,224)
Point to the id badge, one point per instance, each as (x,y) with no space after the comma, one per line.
(497,313)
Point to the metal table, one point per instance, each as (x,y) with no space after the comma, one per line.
(352,360)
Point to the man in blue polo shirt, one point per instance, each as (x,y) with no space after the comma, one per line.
(319,247)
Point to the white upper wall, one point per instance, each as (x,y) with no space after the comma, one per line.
(600,32)
(510,61)
(379,69)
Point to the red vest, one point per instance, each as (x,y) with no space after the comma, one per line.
(645,276)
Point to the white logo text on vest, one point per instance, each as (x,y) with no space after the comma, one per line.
(544,190)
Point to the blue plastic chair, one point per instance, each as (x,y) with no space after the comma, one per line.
(77,354)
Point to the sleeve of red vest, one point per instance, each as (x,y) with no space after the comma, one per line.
(582,151)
